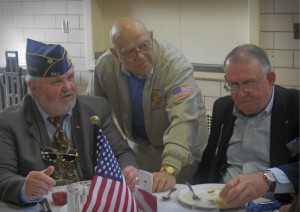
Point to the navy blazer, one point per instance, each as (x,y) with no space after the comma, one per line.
(284,128)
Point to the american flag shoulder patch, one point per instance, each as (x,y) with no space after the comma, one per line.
(181,91)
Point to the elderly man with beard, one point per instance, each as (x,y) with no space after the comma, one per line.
(25,175)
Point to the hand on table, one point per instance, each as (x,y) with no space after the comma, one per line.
(39,183)
(162,181)
(131,176)
(244,188)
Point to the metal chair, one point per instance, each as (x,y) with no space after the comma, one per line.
(208,119)
(13,83)
(2,92)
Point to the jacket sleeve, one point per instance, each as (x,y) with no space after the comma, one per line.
(187,134)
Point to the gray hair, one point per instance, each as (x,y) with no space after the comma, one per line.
(243,54)
(31,78)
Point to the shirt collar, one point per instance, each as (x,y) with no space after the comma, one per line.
(141,77)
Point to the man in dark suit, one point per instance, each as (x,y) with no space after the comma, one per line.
(254,141)
(26,175)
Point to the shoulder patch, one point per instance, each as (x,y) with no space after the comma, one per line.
(181,91)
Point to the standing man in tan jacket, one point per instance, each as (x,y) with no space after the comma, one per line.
(151,89)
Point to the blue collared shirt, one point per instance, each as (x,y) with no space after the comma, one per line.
(249,147)
(51,130)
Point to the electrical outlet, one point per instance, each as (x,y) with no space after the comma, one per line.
(296,31)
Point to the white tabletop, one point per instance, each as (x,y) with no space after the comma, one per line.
(171,205)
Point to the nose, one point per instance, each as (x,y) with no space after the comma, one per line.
(67,84)
(241,91)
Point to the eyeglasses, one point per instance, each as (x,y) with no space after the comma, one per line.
(247,86)
(49,154)
(143,48)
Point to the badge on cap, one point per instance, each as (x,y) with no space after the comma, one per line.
(46,60)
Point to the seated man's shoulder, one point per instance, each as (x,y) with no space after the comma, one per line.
(87,99)
(224,100)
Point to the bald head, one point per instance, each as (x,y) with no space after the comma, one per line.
(126,30)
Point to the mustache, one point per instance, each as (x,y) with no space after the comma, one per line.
(67,93)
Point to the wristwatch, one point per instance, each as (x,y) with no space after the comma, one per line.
(169,169)
(270,179)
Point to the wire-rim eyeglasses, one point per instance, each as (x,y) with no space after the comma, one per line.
(246,86)
(132,53)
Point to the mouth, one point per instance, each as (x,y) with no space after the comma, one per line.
(67,96)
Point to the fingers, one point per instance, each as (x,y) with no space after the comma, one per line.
(130,174)
(38,183)
(162,181)
(49,170)
(242,189)
(231,190)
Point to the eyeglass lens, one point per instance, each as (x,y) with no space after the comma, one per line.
(144,47)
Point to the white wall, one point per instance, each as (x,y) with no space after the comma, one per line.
(201,28)
(42,20)
(204,30)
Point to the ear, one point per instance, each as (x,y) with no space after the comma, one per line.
(114,53)
(151,34)
(32,86)
(271,76)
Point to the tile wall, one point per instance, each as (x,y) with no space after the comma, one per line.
(42,20)
(277,18)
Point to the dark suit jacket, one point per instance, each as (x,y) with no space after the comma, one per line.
(23,132)
(284,128)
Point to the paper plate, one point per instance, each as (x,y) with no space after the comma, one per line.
(204,191)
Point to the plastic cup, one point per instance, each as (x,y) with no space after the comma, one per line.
(59,192)
(77,195)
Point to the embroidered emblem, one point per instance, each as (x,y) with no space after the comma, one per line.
(156,99)
(181,91)
(50,60)
(68,59)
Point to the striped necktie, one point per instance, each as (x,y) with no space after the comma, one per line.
(61,144)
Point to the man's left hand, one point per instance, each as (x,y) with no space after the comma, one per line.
(162,181)
(244,188)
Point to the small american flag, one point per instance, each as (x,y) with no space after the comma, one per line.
(181,91)
(109,191)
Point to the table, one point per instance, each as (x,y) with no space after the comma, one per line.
(171,205)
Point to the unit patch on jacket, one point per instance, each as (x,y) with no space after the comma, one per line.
(157,99)
(181,91)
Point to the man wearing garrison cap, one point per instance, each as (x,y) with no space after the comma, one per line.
(27,172)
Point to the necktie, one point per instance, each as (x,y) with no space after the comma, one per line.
(61,144)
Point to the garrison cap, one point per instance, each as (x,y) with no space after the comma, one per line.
(46,60)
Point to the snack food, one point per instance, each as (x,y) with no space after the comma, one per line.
(221,203)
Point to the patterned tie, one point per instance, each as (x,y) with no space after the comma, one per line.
(61,144)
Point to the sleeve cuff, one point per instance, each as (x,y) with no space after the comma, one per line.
(283,184)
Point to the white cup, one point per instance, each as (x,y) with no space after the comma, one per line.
(77,195)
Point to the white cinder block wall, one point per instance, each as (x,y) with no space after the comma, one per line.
(277,18)
(42,20)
